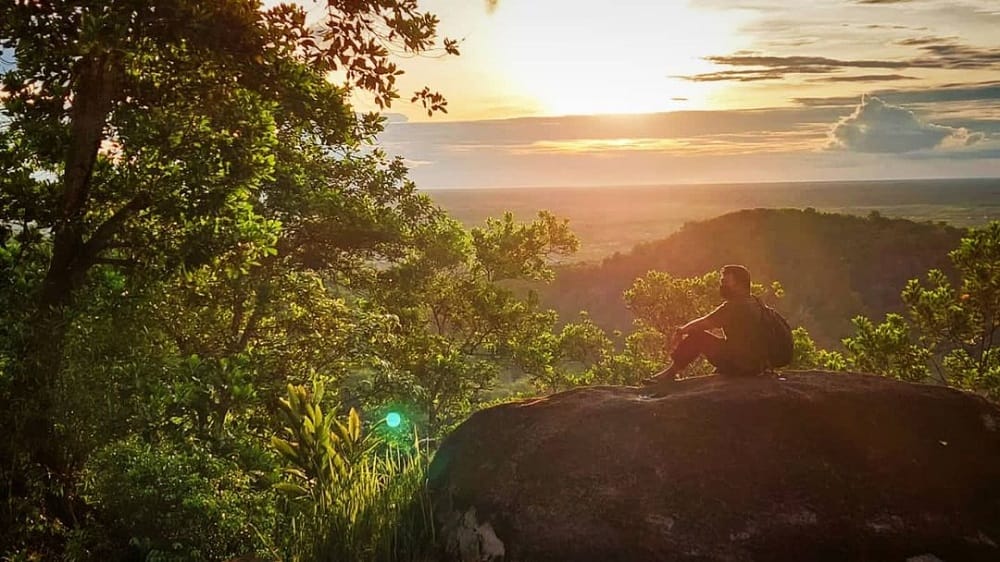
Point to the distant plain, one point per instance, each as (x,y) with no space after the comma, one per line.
(616,218)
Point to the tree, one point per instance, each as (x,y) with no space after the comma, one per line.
(947,333)
(461,322)
(957,327)
(156,123)
(162,152)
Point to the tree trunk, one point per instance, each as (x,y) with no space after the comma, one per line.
(96,84)
(36,376)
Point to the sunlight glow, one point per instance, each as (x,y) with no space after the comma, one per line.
(601,145)
(591,58)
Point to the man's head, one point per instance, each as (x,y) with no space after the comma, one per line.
(735,281)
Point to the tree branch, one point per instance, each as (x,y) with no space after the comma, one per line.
(937,369)
(101,238)
(114,261)
(254,321)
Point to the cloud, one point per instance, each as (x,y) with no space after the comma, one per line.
(8,61)
(864,78)
(948,52)
(956,92)
(754,75)
(943,53)
(798,61)
(781,143)
(395,118)
(893,26)
(524,131)
(878,127)
(776,68)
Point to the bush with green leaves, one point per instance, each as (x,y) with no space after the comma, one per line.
(806,355)
(886,349)
(178,502)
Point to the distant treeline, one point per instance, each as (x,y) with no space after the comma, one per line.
(833,267)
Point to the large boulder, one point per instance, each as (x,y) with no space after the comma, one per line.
(806,466)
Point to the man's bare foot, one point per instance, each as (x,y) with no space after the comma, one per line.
(662,378)
(661,387)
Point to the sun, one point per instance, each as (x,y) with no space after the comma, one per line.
(596,57)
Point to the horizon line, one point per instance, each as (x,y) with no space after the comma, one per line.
(711,183)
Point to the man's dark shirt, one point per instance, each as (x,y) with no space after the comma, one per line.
(741,318)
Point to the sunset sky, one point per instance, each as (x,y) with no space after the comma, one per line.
(580,92)
(587,92)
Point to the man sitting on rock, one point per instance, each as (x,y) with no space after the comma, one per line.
(741,352)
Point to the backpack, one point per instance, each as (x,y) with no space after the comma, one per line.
(777,336)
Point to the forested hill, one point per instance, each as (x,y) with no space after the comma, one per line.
(833,267)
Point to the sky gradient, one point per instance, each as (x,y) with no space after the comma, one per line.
(571,92)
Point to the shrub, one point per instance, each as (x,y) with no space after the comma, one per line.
(174,503)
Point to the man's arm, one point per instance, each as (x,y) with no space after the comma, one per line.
(709,321)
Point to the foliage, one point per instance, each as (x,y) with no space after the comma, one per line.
(353,498)
(807,356)
(645,351)
(461,321)
(665,302)
(947,332)
(189,211)
(886,349)
(170,502)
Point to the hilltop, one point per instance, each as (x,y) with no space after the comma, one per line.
(832,266)
(616,218)
(809,466)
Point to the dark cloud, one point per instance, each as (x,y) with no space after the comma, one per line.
(935,53)
(948,53)
(879,127)
(802,62)
(864,78)
(924,41)
(955,92)
(777,68)
(755,75)
(881,1)
(893,26)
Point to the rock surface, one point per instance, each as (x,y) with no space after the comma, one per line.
(811,466)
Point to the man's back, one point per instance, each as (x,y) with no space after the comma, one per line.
(740,318)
